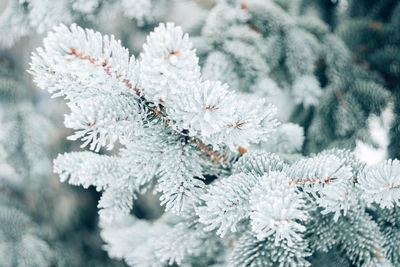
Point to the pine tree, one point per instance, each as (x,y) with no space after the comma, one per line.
(21,17)
(23,167)
(370,29)
(269,49)
(37,215)
(171,130)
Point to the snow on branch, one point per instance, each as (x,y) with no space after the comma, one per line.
(81,64)
(160,97)
(381,183)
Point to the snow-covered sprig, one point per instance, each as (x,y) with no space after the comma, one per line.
(107,173)
(88,168)
(170,76)
(160,98)
(327,179)
(81,64)
(273,206)
(249,251)
(227,201)
(185,241)
(277,209)
(207,110)
(169,65)
(258,162)
(251,122)
(97,76)
(181,179)
(381,183)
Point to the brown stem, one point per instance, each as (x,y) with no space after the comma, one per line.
(218,158)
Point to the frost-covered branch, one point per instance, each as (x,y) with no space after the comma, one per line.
(113,96)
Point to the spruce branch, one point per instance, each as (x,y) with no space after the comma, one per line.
(162,96)
(113,60)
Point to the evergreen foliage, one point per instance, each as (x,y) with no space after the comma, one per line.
(295,62)
(227,202)
(24,166)
(370,29)
(20,17)
(37,215)
(233,147)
